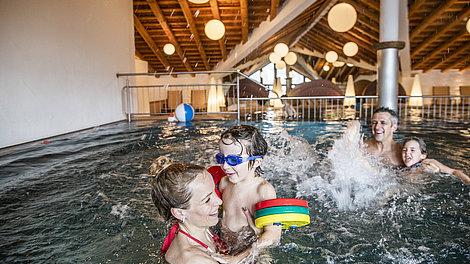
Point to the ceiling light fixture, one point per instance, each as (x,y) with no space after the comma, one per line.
(290,58)
(331,56)
(326,67)
(468,25)
(342,17)
(280,65)
(214,29)
(274,58)
(350,49)
(169,49)
(198,1)
(281,49)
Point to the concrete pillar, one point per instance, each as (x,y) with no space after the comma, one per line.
(387,53)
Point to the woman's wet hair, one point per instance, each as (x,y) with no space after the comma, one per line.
(392,113)
(170,185)
(421,143)
(253,142)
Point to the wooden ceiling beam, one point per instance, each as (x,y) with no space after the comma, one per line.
(273,9)
(428,57)
(415,7)
(244,17)
(157,12)
(216,14)
(364,10)
(192,26)
(316,17)
(441,32)
(457,54)
(441,9)
(148,39)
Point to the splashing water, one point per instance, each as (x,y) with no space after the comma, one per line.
(349,177)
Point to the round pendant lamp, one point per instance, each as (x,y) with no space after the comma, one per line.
(274,58)
(331,56)
(198,1)
(326,67)
(342,17)
(290,58)
(280,65)
(281,49)
(169,49)
(350,49)
(214,29)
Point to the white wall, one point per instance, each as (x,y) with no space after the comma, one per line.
(452,78)
(58,64)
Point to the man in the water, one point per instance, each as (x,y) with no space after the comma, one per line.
(383,124)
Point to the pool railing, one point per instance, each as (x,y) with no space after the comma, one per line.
(145,98)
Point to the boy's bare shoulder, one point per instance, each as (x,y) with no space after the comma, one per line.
(265,190)
(223,183)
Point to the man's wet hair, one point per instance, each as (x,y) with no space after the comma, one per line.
(392,113)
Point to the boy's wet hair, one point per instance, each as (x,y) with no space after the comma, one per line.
(421,143)
(254,142)
(392,113)
(169,185)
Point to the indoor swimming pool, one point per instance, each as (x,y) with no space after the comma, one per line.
(84,197)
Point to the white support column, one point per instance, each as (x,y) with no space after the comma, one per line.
(387,54)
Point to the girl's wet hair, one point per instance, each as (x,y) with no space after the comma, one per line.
(253,142)
(421,143)
(170,185)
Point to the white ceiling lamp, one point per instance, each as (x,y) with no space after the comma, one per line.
(350,64)
(290,58)
(274,58)
(468,25)
(281,49)
(214,29)
(331,56)
(169,49)
(342,17)
(350,49)
(326,67)
(280,65)
(338,64)
(198,1)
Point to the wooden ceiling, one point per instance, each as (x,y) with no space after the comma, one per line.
(438,38)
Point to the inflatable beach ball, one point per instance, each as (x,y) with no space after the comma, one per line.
(184,112)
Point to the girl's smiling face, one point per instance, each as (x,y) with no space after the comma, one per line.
(411,153)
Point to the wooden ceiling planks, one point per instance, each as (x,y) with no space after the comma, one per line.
(436,31)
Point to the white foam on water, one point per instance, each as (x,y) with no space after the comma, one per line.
(120,210)
(349,177)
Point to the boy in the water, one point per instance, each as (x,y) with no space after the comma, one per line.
(242,149)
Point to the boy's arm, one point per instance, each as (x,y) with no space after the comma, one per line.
(462,176)
(271,234)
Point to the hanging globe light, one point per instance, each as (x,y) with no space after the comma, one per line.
(198,1)
(274,58)
(326,67)
(350,49)
(214,29)
(290,58)
(468,25)
(281,49)
(280,65)
(331,56)
(342,17)
(338,64)
(169,49)
(350,64)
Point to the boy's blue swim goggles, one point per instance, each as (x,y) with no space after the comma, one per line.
(233,160)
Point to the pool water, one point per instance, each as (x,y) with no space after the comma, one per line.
(84,197)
